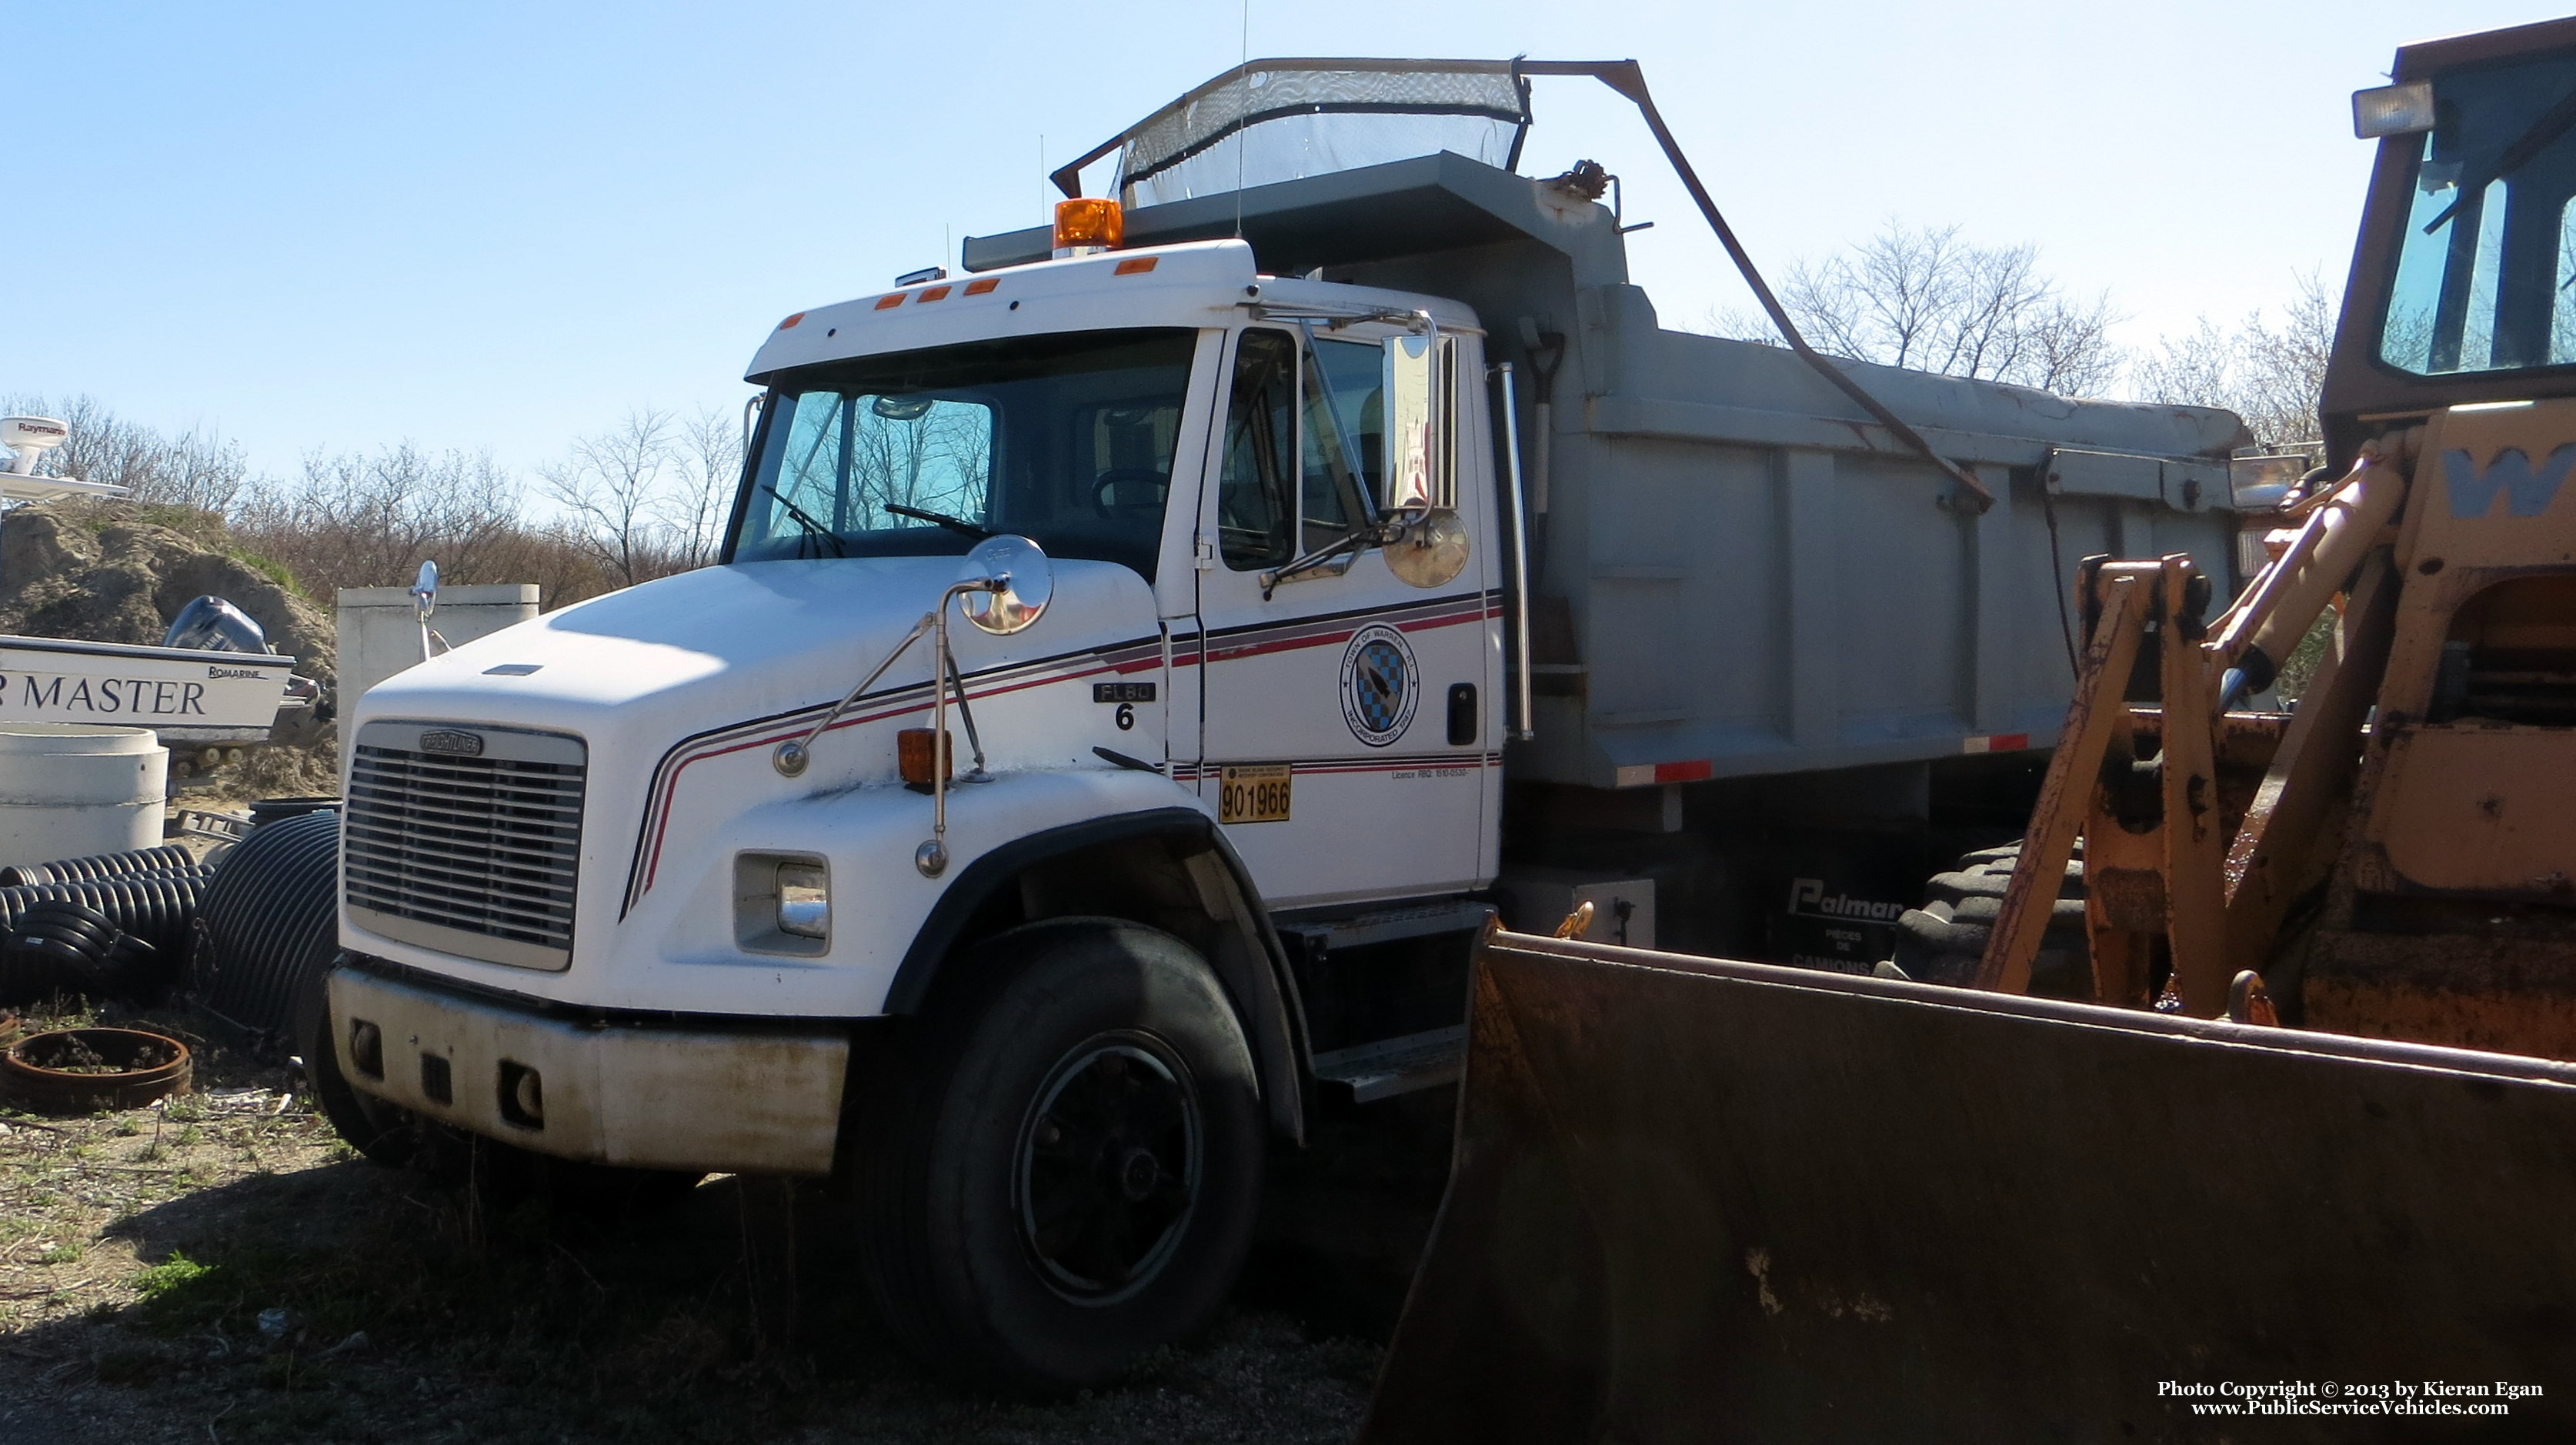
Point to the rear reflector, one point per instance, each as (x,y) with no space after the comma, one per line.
(1995,743)
(1639,775)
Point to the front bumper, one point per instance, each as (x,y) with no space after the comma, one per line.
(745,1098)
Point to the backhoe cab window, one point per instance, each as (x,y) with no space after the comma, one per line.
(1284,488)
(1067,439)
(2488,260)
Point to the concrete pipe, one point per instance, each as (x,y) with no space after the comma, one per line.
(69,790)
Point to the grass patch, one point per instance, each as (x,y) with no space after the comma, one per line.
(171,1273)
(68,1252)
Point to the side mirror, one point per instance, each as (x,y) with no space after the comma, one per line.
(1421,473)
(424,590)
(1018,583)
(1418,470)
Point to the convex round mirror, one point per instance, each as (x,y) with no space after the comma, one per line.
(424,589)
(1432,550)
(1021,583)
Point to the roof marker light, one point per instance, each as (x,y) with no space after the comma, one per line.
(979,287)
(889,301)
(1087,225)
(1136,265)
(791,321)
(935,293)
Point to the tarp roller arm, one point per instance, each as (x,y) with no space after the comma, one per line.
(1629,79)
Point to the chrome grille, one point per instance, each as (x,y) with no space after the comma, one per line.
(470,845)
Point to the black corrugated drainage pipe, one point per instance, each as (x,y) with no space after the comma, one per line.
(269,927)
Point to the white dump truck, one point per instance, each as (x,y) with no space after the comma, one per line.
(1133,667)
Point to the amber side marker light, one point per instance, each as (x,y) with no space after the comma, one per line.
(1087,225)
(915,755)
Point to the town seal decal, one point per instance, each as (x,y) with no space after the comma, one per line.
(1380,685)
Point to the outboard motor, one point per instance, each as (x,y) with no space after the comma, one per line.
(210,624)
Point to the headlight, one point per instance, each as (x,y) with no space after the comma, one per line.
(804,900)
(782,903)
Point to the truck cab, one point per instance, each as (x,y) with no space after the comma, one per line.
(591,915)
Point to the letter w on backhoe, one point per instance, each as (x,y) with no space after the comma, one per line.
(2528,493)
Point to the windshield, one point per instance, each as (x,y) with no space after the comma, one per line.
(1067,439)
(2485,273)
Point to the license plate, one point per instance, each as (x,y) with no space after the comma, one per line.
(1253,793)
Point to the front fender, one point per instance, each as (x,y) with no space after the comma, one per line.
(688,957)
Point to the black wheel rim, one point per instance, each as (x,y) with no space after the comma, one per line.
(1107,1169)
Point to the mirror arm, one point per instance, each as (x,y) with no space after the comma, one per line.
(793,755)
(1382,533)
(931,858)
(966,715)
(1523,728)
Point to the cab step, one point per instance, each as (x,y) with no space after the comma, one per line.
(1365,1073)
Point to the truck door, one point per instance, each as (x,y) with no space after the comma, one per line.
(1348,718)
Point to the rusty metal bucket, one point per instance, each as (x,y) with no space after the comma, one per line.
(1704,1200)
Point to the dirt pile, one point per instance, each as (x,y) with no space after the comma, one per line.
(118,572)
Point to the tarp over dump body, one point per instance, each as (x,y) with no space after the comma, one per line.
(1696,1199)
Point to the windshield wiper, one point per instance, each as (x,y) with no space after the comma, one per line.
(812,528)
(954,524)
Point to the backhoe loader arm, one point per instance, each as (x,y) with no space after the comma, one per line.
(2202,671)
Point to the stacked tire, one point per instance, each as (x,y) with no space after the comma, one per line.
(1942,941)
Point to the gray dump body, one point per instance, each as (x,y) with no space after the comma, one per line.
(1736,572)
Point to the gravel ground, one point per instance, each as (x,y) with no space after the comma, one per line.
(219,1268)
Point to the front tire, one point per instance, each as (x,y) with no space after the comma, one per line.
(382,1133)
(1064,1170)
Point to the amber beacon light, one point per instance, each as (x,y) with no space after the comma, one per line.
(1088,224)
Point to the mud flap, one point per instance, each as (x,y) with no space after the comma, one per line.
(1704,1200)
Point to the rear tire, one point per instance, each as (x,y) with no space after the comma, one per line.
(1943,941)
(1064,1166)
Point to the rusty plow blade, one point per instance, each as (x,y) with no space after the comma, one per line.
(1703,1200)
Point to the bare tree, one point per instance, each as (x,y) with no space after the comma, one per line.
(1924,298)
(706,467)
(611,485)
(369,519)
(193,468)
(2270,374)
(650,496)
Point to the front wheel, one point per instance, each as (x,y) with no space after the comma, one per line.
(382,1133)
(1065,1169)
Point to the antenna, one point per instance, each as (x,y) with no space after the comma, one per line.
(29,438)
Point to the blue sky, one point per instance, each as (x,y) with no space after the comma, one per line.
(483,225)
